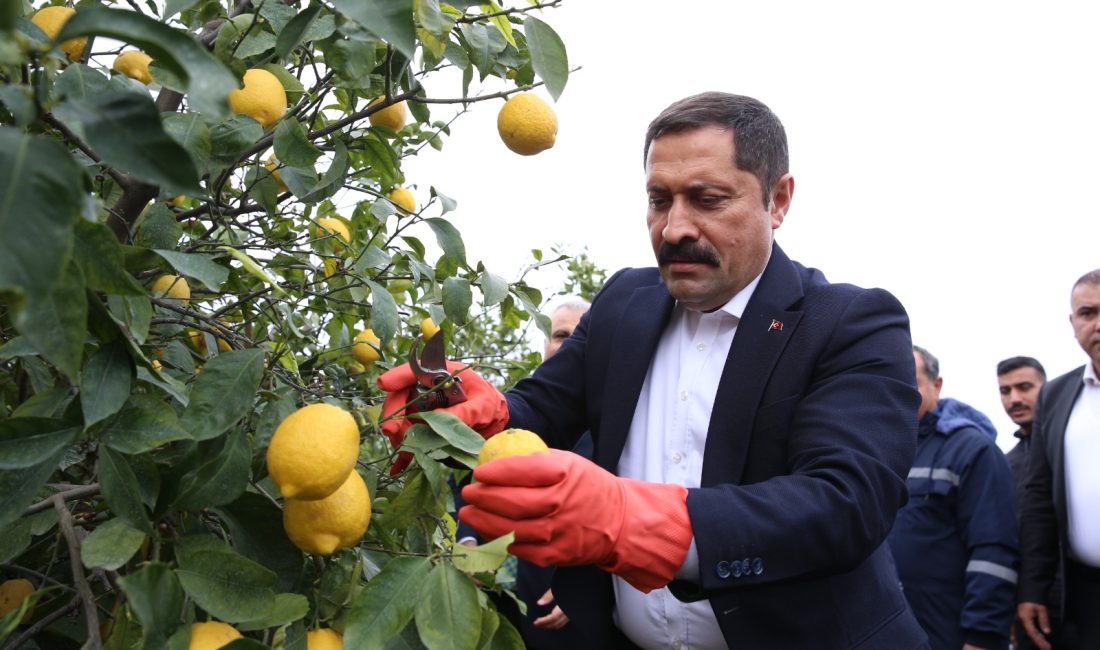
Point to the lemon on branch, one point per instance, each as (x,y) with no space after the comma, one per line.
(527,125)
(393,117)
(334,522)
(365,348)
(262,98)
(212,635)
(172,286)
(403,199)
(51,20)
(324,639)
(312,451)
(428,329)
(135,65)
(12,595)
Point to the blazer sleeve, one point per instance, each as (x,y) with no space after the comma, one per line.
(1039,552)
(850,438)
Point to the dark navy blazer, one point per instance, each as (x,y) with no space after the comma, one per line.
(812,435)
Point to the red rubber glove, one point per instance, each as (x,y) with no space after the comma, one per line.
(566,510)
(485,409)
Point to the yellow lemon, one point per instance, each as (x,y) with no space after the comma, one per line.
(392,117)
(135,65)
(334,522)
(262,98)
(51,20)
(212,635)
(354,368)
(324,639)
(428,328)
(157,365)
(511,442)
(12,595)
(527,125)
(365,348)
(172,286)
(272,166)
(332,226)
(312,451)
(403,199)
(198,341)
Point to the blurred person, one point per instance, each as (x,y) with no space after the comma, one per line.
(753,423)
(955,541)
(1060,520)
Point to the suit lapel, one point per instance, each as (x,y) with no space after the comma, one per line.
(633,345)
(1063,408)
(765,328)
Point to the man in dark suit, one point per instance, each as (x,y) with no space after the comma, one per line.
(753,424)
(1059,526)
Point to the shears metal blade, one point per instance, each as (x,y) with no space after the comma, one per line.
(435,387)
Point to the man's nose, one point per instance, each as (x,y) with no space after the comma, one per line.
(680,223)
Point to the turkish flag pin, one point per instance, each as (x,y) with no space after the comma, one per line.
(776,326)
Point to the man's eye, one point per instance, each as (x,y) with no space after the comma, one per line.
(657,201)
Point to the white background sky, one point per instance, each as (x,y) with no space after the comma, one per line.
(945,151)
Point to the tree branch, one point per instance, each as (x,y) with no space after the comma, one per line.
(91,617)
(66,495)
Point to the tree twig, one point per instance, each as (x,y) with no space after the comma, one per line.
(66,495)
(91,617)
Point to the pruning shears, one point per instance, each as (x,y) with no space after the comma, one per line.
(435,387)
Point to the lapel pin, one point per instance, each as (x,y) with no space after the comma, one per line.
(776,326)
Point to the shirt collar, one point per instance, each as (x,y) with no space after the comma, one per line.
(736,305)
(1090,377)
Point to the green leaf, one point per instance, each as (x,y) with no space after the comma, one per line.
(457,299)
(124,129)
(500,22)
(26,442)
(506,637)
(111,545)
(256,530)
(37,177)
(386,604)
(448,616)
(19,487)
(257,42)
(219,480)
(389,20)
(292,146)
(254,268)
(155,596)
(55,321)
(17,347)
(18,535)
(384,318)
(227,585)
(417,499)
(191,132)
(19,100)
(173,7)
(231,138)
(486,557)
(120,488)
(78,81)
(197,266)
(101,261)
(494,288)
(453,430)
(223,393)
(208,82)
(547,55)
(450,240)
(421,439)
(105,382)
(295,31)
(287,609)
(137,429)
(333,178)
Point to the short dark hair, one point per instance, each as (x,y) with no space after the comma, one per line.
(931,363)
(759,140)
(1015,363)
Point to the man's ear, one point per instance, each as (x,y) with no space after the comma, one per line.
(780,200)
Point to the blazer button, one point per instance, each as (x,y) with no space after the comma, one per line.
(735,566)
(757,566)
(723,569)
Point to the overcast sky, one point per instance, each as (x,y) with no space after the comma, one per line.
(945,151)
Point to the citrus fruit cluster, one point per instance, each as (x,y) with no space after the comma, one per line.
(311,459)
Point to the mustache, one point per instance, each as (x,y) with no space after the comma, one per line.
(686,252)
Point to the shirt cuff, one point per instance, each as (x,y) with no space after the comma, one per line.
(689,570)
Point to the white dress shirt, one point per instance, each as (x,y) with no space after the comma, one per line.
(1082,455)
(665,445)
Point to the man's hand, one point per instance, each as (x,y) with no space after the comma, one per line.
(556,619)
(566,510)
(1036,621)
(485,409)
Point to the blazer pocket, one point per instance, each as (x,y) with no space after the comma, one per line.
(776,415)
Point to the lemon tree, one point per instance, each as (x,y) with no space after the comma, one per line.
(202,206)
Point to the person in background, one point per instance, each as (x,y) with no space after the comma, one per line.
(752,422)
(1019,380)
(1060,518)
(955,541)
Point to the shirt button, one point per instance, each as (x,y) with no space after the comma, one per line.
(676,458)
(676,645)
(701,347)
(683,396)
